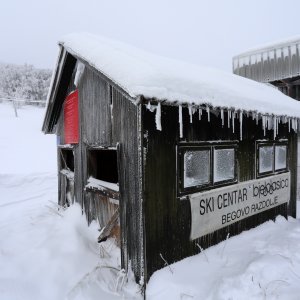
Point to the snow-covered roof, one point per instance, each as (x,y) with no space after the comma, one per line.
(288,42)
(270,62)
(140,73)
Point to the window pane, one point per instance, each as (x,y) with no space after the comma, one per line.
(280,157)
(265,159)
(223,164)
(196,168)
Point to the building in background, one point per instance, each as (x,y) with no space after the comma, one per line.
(277,64)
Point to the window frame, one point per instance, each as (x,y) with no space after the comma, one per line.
(260,144)
(90,156)
(182,148)
(62,152)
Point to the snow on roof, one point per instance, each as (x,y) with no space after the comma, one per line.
(295,40)
(140,73)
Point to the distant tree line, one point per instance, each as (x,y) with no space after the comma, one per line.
(24,82)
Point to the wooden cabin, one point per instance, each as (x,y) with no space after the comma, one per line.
(166,156)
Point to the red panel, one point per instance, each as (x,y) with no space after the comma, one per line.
(71,118)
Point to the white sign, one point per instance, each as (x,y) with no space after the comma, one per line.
(221,207)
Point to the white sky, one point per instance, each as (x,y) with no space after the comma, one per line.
(206,32)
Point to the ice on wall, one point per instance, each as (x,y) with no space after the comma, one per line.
(265,159)
(79,71)
(196,167)
(223,164)
(280,157)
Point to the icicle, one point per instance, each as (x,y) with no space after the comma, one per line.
(270,123)
(241,125)
(180,121)
(191,113)
(274,127)
(264,124)
(158,116)
(222,116)
(228,117)
(277,125)
(233,115)
(208,113)
(253,116)
(79,71)
(149,105)
(257,117)
(289,121)
(294,124)
(200,113)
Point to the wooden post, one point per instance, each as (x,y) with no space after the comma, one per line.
(15,108)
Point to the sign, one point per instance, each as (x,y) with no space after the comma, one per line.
(218,208)
(71,125)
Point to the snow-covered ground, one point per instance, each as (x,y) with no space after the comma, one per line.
(263,263)
(46,253)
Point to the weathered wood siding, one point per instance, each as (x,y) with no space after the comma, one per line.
(167,217)
(126,131)
(108,119)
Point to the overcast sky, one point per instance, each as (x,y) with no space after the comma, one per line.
(203,32)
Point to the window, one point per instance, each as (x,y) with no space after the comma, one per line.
(205,166)
(196,168)
(266,159)
(224,164)
(102,165)
(271,158)
(280,157)
(66,159)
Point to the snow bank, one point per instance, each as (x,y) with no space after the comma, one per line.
(141,73)
(24,149)
(47,253)
(262,263)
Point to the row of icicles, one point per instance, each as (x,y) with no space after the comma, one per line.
(268,121)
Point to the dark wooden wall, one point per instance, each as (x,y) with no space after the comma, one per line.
(167,217)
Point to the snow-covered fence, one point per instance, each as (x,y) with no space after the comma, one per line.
(24,101)
(17,103)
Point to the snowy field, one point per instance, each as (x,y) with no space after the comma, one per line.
(46,253)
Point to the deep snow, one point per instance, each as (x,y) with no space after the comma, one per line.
(46,253)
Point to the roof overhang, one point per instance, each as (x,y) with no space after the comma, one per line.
(58,89)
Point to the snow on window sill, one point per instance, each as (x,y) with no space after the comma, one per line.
(94,183)
(69,174)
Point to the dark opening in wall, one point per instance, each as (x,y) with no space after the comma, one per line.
(102,165)
(67,159)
